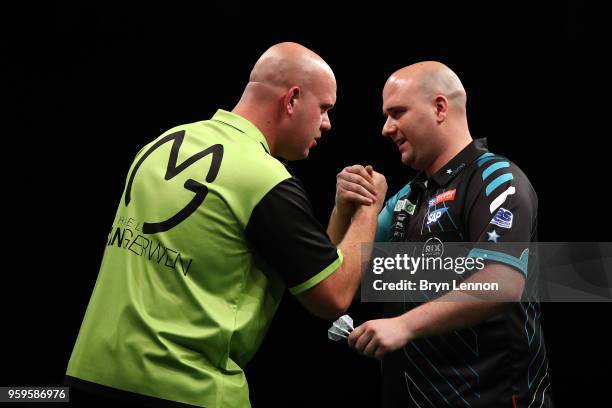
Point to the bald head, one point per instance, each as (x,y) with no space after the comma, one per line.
(426,114)
(289,64)
(431,78)
(289,93)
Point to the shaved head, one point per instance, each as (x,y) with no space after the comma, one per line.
(432,78)
(425,105)
(289,93)
(287,64)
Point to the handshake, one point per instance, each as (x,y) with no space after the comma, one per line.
(359,186)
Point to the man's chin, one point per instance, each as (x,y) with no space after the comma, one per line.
(407,159)
(299,156)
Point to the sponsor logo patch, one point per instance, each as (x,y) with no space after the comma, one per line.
(433,248)
(405,205)
(399,205)
(434,216)
(503,218)
(445,196)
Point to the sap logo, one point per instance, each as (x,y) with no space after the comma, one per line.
(434,216)
(503,218)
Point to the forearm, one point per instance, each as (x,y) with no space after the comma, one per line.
(376,338)
(362,230)
(440,317)
(458,309)
(339,223)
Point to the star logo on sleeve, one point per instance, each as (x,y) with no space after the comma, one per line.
(493,236)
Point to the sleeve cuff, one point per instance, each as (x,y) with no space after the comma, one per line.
(331,268)
(493,256)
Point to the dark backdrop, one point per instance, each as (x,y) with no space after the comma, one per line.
(94,83)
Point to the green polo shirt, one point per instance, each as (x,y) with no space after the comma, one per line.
(195,265)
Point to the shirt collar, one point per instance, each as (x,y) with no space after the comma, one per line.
(466,156)
(242,125)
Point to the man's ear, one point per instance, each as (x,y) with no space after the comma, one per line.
(290,99)
(441,108)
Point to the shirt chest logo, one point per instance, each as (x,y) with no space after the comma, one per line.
(434,216)
(442,197)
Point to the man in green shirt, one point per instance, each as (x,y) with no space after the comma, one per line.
(210,230)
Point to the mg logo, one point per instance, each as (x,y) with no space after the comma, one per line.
(199,190)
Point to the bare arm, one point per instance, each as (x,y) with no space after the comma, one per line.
(339,223)
(332,296)
(452,311)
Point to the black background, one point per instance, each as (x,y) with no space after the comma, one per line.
(89,85)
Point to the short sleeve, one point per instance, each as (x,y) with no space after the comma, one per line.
(385,218)
(287,238)
(503,209)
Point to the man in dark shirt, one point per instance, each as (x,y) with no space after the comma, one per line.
(456,353)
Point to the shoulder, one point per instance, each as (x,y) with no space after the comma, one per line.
(492,172)
(494,180)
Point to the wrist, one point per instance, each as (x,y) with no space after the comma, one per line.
(344,211)
(366,211)
(407,326)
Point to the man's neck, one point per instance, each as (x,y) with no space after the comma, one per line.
(261,120)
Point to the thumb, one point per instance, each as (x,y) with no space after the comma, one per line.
(369,169)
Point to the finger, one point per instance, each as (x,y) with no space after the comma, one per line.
(356,188)
(351,197)
(356,334)
(382,178)
(363,341)
(369,169)
(360,180)
(371,348)
(357,169)
(344,185)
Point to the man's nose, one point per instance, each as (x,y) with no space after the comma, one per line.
(389,128)
(325,123)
